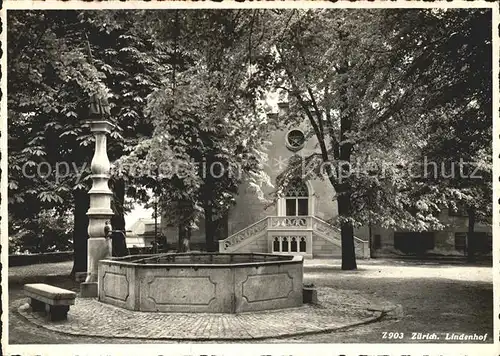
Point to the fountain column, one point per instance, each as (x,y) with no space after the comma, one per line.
(99,245)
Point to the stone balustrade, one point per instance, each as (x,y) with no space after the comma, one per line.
(292,224)
(287,222)
(242,235)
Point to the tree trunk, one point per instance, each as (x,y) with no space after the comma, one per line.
(38,234)
(370,239)
(118,220)
(344,185)
(221,229)
(186,213)
(346,232)
(80,233)
(184,237)
(209,227)
(471,242)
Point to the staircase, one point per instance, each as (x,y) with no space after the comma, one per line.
(303,235)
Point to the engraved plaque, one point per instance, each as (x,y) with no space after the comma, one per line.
(261,287)
(115,286)
(181,290)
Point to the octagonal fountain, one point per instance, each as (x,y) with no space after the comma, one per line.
(202,282)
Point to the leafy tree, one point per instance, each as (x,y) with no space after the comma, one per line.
(366,82)
(207,116)
(50,80)
(460,125)
(188,88)
(48,233)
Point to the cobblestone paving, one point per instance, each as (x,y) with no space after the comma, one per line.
(337,309)
(423,288)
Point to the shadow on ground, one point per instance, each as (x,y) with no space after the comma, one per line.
(435,298)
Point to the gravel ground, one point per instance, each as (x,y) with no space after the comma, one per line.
(435,299)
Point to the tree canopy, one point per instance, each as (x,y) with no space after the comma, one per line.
(382,90)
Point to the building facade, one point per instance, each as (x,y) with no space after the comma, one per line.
(298,222)
(450,241)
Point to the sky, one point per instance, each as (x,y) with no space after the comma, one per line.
(138,212)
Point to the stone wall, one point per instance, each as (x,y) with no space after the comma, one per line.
(31,259)
(444,240)
(259,245)
(324,248)
(214,288)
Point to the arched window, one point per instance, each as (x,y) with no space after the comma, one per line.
(296,198)
(302,244)
(284,244)
(276,244)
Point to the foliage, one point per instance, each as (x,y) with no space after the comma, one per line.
(380,89)
(48,233)
(372,89)
(51,77)
(209,124)
(460,126)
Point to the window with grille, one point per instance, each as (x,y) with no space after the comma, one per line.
(296,198)
(289,244)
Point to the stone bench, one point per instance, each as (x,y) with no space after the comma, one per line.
(52,300)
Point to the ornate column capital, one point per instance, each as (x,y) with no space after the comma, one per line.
(103,126)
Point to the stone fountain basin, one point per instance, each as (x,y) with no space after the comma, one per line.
(202,282)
